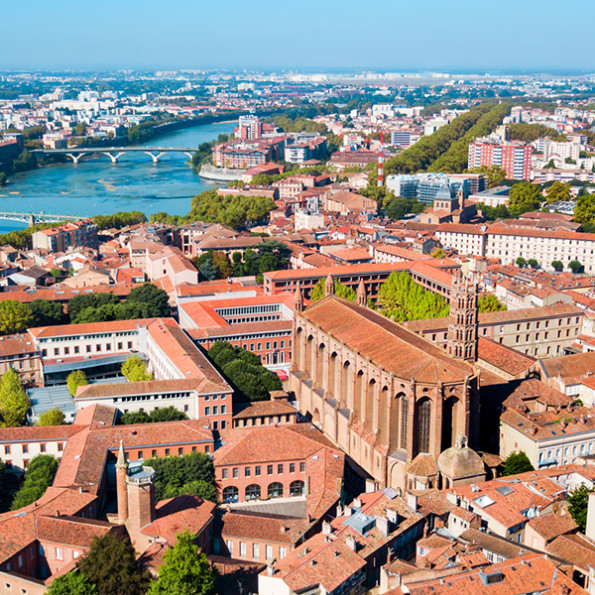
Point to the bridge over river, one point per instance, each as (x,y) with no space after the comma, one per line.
(114,153)
(35,218)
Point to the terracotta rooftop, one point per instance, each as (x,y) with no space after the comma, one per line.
(530,573)
(385,343)
(570,368)
(267,527)
(504,358)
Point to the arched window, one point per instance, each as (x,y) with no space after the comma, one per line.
(253,492)
(404,413)
(231,494)
(275,490)
(296,488)
(423,425)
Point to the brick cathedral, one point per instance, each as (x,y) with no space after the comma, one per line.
(390,399)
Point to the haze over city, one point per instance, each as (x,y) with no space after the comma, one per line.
(381,34)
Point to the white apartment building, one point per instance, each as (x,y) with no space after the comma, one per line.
(546,442)
(465,239)
(507,244)
(563,151)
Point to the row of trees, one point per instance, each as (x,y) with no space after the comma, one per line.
(155,416)
(268,256)
(429,148)
(145,301)
(245,370)
(235,211)
(455,159)
(111,568)
(119,219)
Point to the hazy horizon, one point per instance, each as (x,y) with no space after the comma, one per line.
(428,35)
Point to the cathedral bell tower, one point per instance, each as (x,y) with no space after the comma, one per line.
(462,327)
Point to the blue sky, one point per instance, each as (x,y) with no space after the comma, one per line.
(382,34)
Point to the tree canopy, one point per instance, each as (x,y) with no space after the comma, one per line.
(111,565)
(46,312)
(39,476)
(402,299)
(236,211)
(73,583)
(75,379)
(429,148)
(144,301)
(14,317)
(584,211)
(495,175)
(524,197)
(156,415)
(490,303)
(245,370)
(135,369)
(185,571)
(51,417)
(578,501)
(193,474)
(341,290)
(517,462)
(119,220)
(14,402)
(558,192)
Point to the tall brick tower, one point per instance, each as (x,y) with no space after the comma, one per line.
(141,498)
(121,490)
(462,327)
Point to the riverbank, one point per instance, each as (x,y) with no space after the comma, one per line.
(220,174)
(135,183)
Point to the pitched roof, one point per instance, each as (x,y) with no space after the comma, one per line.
(385,343)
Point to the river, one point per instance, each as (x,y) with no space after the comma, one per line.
(96,186)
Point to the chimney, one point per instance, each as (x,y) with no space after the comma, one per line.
(411,500)
(392,516)
(121,490)
(326,528)
(347,511)
(339,511)
(270,570)
(351,543)
(383,525)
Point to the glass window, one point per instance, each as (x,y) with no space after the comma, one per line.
(231,494)
(269,469)
(256,551)
(224,473)
(275,490)
(257,470)
(253,492)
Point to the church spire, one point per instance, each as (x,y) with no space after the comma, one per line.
(298,300)
(462,326)
(329,286)
(362,299)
